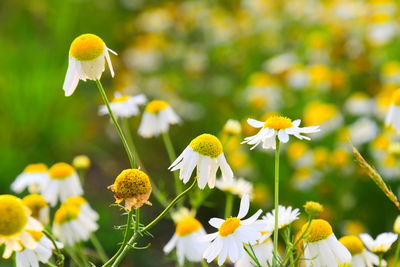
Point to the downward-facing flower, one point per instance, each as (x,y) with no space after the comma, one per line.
(206,153)
(187,240)
(263,251)
(124,106)
(236,186)
(38,207)
(277,126)
(393,115)
(157,117)
(321,248)
(33,177)
(15,223)
(360,256)
(285,216)
(72,225)
(232,234)
(84,207)
(41,253)
(62,183)
(133,186)
(381,244)
(87,56)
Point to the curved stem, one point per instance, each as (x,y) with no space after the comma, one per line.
(172,156)
(99,248)
(60,256)
(228,205)
(396,255)
(276,201)
(131,143)
(137,220)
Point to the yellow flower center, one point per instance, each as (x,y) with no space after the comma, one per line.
(66,213)
(313,208)
(35,203)
(316,113)
(207,145)
(81,162)
(318,230)
(296,150)
(39,167)
(61,170)
(13,215)
(132,182)
(353,244)
(120,99)
(87,47)
(278,123)
(229,226)
(396,97)
(35,234)
(77,201)
(156,106)
(187,226)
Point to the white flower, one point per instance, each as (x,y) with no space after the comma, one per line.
(156,119)
(232,127)
(321,248)
(232,234)
(87,56)
(360,256)
(62,182)
(393,115)
(124,106)
(235,186)
(285,216)
(206,153)
(187,240)
(381,244)
(33,177)
(38,207)
(84,207)
(263,252)
(363,131)
(278,126)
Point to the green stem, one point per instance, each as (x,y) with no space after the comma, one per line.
(59,255)
(228,205)
(380,260)
(131,143)
(172,156)
(119,130)
(276,201)
(79,251)
(396,255)
(137,219)
(99,248)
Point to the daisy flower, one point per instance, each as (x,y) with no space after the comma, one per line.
(72,225)
(321,248)
(264,253)
(38,207)
(206,153)
(285,216)
(381,244)
(393,115)
(15,223)
(62,182)
(87,56)
(84,206)
(124,106)
(33,177)
(187,240)
(157,117)
(232,234)
(277,126)
(41,253)
(236,186)
(360,256)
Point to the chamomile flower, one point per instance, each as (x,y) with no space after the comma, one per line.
(206,153)
(84,206)
(232,234)
(124,106)
(393,115)
(187,240)
(381,244)
(72,225)
(277,126)
(360,256)
(87,56)
(321,248)
(236,186)
(15,223)
(157,117)
(62,182)
(38,207)
(33,177)
(285,216)
(41,253)
(264,253)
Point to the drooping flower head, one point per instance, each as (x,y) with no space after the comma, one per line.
(286,215)
(381,244)
(277,126)
(38,207)
(236,186)
(206,153)
(124,106)
(87,56)
(33,177)
(360,256)
(84,207)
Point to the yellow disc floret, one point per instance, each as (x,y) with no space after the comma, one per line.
(35,203)
(61,170)
(35,234)
(81,162)
(120,99)
(229,226)
(396,97)
(13,215)
(317,231)
(207,145)
(278,123)
(38,167)
(132,182)
(313,209)
(352,243)
(87,47)
(156,106)
(77,201)
(66,213)
(187,226)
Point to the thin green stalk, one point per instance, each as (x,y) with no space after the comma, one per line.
(380,260)
(79,251)
(99,248)
(203,263)
(172,156)
(276,201)
(137,219)
(127,129)
(228,205)
(294,245)
(396,255)
(59,255)
(119,130)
